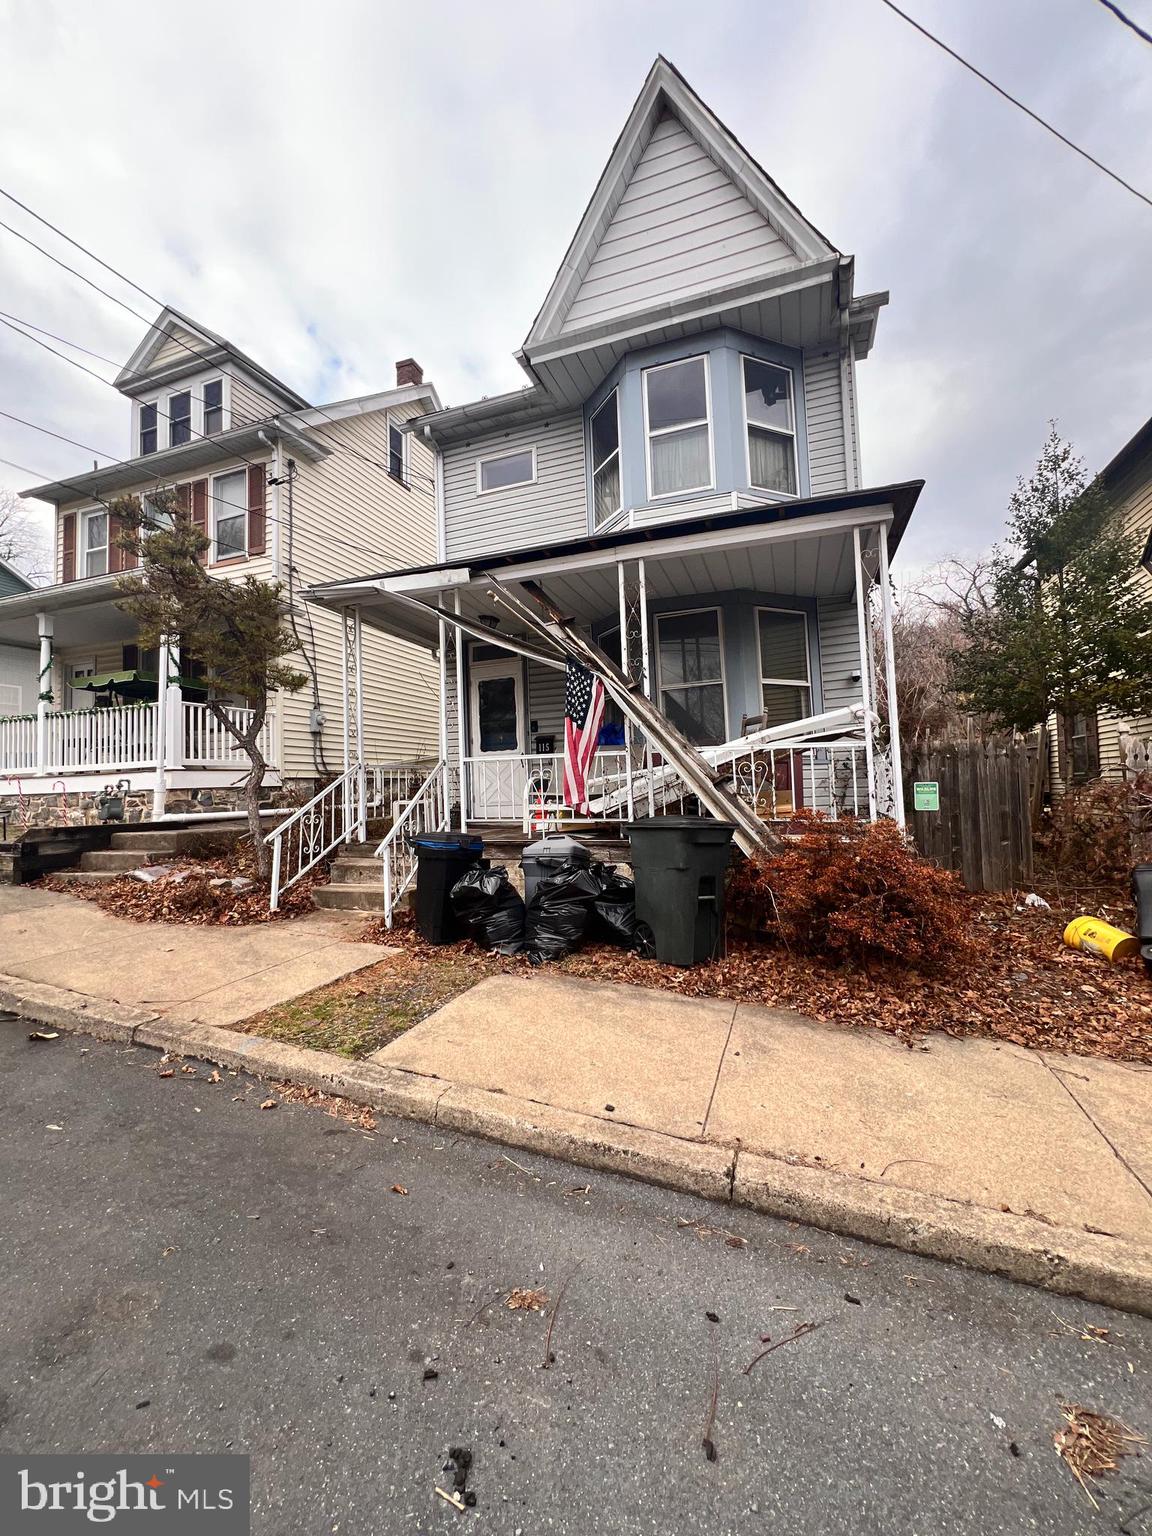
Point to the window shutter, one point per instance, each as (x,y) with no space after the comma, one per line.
(1063,748)
(68,547)
(1093,723)
(257,511)
(115,553)
(200,513)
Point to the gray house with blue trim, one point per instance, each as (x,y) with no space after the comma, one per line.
(681,472)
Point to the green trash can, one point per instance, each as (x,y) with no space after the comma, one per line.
(679,863)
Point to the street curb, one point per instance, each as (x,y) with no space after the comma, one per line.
(1096,1267)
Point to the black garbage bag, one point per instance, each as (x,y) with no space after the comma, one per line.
(614,909)
(558,914)
(490,908)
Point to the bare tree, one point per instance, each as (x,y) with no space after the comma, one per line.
(24,540)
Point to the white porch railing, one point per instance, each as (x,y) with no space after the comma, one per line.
(124,739)
(301,840)
(429,810)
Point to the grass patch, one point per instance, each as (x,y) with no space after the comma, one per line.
(362,1013)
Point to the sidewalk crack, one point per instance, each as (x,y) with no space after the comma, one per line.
(719,1069)
(1100,1131)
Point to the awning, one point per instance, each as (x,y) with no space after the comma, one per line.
(132,684)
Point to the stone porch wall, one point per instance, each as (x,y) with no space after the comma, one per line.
(79,808)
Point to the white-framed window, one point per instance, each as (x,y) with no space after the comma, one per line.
(785,674)
(678,427)
(149,434)
(95,543)
(690,671)
(770,426)
(604,448)
(397,453)
(212,399)
(11,698)
(180,418)
(230,515)
(502,471)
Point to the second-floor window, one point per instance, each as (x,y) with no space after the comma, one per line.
(605,435)
(95,543)
(148,439)
(677,426)
(179,418)
(213,407)
(396,445)
(230,516)
(504,470)
(770,425)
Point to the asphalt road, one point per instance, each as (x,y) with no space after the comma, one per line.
(183,1271)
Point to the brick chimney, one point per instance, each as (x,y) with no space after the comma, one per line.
(408,371)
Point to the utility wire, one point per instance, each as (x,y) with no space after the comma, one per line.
(203,357)
(1127,20)
(1035,116)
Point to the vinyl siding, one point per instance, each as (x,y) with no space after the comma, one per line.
(824,411)
(178,349)
(553,508)
(349,516)
(249,403)
(681,227)
(839,651)
(20,669)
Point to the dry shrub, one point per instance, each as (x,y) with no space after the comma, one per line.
(1096,832)
(856,893)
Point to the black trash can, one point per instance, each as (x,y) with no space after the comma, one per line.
(679,863)
(1142,896)
(442,857)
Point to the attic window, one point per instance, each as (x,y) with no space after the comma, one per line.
(213,407)
(179,419)
(148,443)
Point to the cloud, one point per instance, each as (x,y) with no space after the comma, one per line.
(337,187)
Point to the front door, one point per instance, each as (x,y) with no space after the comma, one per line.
(497,771)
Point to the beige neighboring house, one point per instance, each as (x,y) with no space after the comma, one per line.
(1099,745)
(285,491)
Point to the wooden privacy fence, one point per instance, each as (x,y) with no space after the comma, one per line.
(989,793)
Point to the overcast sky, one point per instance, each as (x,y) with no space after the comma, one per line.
(334,187)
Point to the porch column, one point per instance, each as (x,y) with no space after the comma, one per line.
(164,730)
(170,669)
(44,629)
(352,672)
(890,680)
(634,661)
(461,719)
(865,669)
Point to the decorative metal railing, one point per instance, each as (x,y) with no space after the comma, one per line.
(429,810)
(301,840)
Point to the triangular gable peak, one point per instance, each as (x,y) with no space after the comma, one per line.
(171,341)
(681,210)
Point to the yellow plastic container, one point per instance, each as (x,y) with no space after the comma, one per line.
(1096,937)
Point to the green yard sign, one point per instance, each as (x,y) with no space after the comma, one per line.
(926,795)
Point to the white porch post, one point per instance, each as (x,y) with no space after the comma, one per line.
(44,692)
(461,722)
(890,680)
(170,666)
(865,670)
(352,675)
(169,746)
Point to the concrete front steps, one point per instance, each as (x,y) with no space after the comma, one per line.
(356,884)
(132,850)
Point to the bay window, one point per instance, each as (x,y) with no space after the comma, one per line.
(770,425)
(785,680)
(230,515)
(691,674)
(213,407)
(605,434)
(677,427)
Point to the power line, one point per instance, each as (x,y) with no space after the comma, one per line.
(1035,116)
(203,357)
(1127,20)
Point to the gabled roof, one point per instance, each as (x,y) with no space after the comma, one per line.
(12,580)
(666,124)
(195,346)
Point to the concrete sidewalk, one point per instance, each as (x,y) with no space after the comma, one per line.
(1061,1140)
(182,972)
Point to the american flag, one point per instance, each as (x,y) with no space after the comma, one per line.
(583,712)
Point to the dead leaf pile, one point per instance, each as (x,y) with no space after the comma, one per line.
(1092,1443)
(520,1300)
(358,1115)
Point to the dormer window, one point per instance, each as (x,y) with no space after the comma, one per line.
(179,418)
(605,435)
(213,407)
(148,442)
(771,427)
(677,424)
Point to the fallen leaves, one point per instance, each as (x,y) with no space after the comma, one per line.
(1092,1443)
(703,1231)
(398,1189)
(522,1300)
(44,1034)
(268,1104)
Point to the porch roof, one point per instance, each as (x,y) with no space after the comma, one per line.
(84,613)
(803,548)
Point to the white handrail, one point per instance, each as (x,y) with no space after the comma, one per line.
(312,832)
(429,810)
